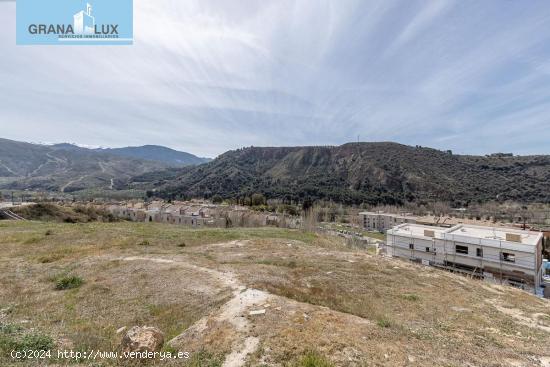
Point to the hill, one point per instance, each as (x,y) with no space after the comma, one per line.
(171,157)
(65,168)
(157,153)
(360,172)
(318,302)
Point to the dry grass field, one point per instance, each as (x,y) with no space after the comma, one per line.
(72,286)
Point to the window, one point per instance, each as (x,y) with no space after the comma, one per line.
(461,249)
(479,252)
(427,249)
(411,246)
(508,257)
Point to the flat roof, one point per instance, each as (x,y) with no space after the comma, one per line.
(469,231)
(405,215)
(495,233)
(409,229)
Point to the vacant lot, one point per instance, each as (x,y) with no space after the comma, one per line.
(72,286)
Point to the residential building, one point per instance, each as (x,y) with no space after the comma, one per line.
(497,254)
(381,222)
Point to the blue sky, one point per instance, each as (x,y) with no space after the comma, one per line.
(208,76)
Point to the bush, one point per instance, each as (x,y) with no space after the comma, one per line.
(313,359)
(410,297)
(35,342)
(217,199)
(144,243)
(182,244)
(10,328)
(257,199)
(383,322)
(68,282)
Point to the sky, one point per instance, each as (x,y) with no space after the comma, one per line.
(209,76)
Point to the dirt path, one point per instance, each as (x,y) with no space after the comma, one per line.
(519,316)
(7,168)
(71,182)
(232,312)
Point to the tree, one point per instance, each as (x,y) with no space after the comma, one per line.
(257,199)
(307,204)
(217,199)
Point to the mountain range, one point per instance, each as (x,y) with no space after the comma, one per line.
(356,173)
(67,167)
(353,173)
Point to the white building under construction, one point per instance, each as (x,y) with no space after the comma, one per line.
(502,255)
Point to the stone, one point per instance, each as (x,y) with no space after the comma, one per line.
(142,339)
(257,312)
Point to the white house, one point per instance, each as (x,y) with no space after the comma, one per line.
(505,255)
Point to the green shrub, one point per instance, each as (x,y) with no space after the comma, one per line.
(383,322)
(313,359)
(10,328)
(410,297)
(34,341)
(217,199)
(144,243)
(182,244)
(68,282)
(257,199)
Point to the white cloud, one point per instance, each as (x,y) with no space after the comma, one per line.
(207,76)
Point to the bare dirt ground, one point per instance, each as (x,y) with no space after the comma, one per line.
(256,297)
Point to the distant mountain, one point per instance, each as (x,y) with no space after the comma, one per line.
(67,167)
(359,172)
(158,153)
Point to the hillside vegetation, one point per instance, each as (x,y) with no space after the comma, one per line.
(72,286)
(356,173)
(69,168)
(27,166)
(54,213)
(157,153)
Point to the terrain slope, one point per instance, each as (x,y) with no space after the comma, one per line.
(267,296)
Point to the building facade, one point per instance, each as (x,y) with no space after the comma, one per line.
(381,222)
(503,255)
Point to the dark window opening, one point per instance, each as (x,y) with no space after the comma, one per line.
(479,252)
(508,257)
(461,249)
(411,246)
(427,249)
